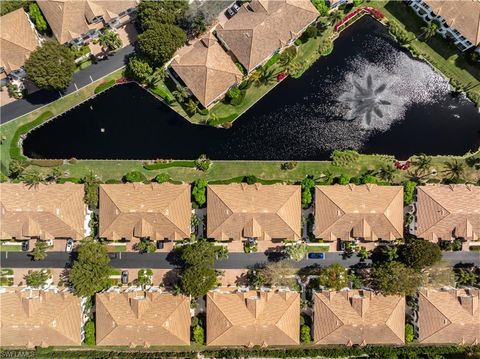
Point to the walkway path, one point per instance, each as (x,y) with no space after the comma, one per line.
(81,78)
(160,260)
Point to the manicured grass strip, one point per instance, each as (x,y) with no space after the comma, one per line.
(15,151)
(104,86)
(70,179)
(161,165)
(163,93)
(222,120)
(10,248)
(317,249)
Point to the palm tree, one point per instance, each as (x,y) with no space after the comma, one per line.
(157,76)
(109,41)
(192,107)
(267,76)
(429,31)
(180,94)
(454,170)
(33,178)
(335,17)
(386,173)
(255,77)
(54,175)
(391,252)
(422,162)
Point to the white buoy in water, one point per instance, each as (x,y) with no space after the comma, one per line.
(91,107)
(102,130)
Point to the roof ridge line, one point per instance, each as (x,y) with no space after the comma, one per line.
(438,330)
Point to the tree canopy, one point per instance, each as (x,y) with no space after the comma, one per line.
(419,254)
(161,11)
(394,278)
(50,66)
(197,280)
(36,279)
(90,272)
(159,42)
(139,69)
(334,276)
(198,253)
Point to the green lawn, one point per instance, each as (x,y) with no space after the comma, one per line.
(317,249)
(116,248)
(441,53)
(10,248)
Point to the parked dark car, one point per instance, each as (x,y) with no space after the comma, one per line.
(160,244)
(25,246)
(125,277)
(315,255)
(229,13)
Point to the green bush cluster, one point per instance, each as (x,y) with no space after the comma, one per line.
(202,163)
(305,336)
(90,332)
(408,192)
(199,192)
(15,151)
(308,185)
(37,17)
(272,61)
(409,333)
(104,86)
(134,176)
(162,178)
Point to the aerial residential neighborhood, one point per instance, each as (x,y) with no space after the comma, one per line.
(233,179)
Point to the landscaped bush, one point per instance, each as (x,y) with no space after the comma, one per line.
(15,152)
(286,166)
(134,176)
(409,334)
(308,184)
(104,86)
(79,51)
(343,179)
(198,335)
(162,178)
(305,336)
(37,17)
(202,163)
(46,163)
(161,165)
(408,192)
(90,332)
(204,111)
(198,192)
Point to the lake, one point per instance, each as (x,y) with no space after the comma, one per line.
(368,95)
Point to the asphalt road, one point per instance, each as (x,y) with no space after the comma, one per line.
(164,260)
(81,78)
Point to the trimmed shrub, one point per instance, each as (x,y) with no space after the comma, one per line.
(3,178)
(90,332)
(198,335)
(202,163)
(37,17)
(15,152)
(343,179)
(198,192)
(134,176)
(305,336)
(104,86)
(46,163)
(409,334)
(408,191)
(162,165)
(162,178)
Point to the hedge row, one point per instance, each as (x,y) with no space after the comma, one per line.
(46,163)
(409,351)
(245,179)
(104,86)
(15,152)
(162,165)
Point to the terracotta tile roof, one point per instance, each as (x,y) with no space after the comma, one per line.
(448,211)
(18,40)
(463,16)
(241,211)
(358,317)
(449,316)
(136,210)
(206,69)
(253,36)
(40,318)
(45,211)
(70,19)
(142,319)
(253,318)
(367,211)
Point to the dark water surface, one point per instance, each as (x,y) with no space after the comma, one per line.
(411,111)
